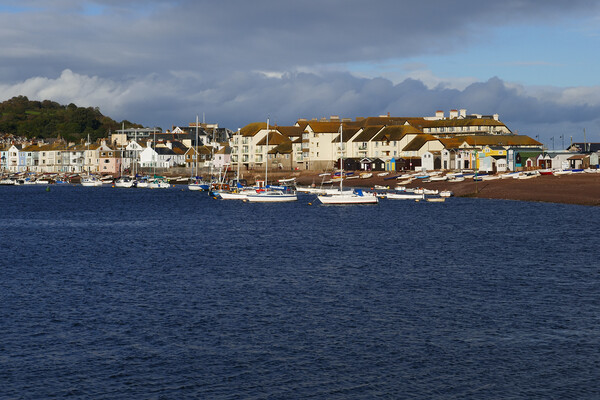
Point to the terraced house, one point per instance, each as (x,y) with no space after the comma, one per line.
(456,141)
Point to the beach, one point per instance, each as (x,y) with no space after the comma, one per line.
(582,188)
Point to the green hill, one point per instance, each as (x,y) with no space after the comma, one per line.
(23,117)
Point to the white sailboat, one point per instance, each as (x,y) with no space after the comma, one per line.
(237,193)
(196,183)
(88,180)
(270,195)
(341,197)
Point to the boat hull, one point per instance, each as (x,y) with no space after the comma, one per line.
(341,199)
(271,198)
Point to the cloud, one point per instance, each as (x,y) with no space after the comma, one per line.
(123,38)
(161,62)
(248,97)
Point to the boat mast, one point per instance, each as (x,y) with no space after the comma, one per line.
(341,161)
(239,155)
(197,156)
(267,155)
(122,131)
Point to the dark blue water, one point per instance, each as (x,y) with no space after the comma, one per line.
(166,294)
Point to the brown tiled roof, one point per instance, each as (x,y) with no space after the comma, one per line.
(290,131)
(253,128)
(324,127)
(368,133)
(284,148)
(418,142)
(396,132)
(378,121)
(275,138)
(499,140)
(347,134)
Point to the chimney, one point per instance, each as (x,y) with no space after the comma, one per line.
(453,114)
(439,114)
(169,144)
(463,112)
(495,116)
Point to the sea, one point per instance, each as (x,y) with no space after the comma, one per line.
(109,293)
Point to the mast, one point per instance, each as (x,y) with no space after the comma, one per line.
(88,152)
(239,155)
(341,161)
(122,131)
(197,155)
(267,155)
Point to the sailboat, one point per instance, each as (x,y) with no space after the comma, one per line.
(89,180)
(196,183)
(271,194)
(239,192)
(346,197)
(123,181)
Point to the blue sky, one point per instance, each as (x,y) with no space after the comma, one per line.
(161,62)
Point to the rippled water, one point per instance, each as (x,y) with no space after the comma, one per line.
(123,293)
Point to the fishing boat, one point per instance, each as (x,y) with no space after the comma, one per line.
(340,197)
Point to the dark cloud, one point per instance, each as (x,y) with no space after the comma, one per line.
(163,62)
(121,38)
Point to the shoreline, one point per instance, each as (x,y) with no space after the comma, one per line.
(578,189)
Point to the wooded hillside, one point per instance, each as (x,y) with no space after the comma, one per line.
(23,117)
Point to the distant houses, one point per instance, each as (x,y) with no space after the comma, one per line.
(454,142)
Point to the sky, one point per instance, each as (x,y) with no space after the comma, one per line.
(233,62)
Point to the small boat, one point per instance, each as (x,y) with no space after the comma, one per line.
(510,175)
(366,175)
(436,199)
(348,197)
(528,176)
(438,178)
(446,193)
(124,182)
(383,174)
(404,196)
(380,187)
(563,172)
(89,181)
(158,183)
(286,181)
(490,177)
(271,196)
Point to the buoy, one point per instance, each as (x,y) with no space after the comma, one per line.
(310,204)
(47,188)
